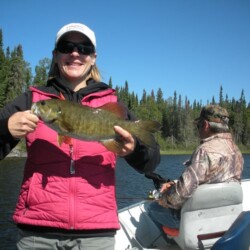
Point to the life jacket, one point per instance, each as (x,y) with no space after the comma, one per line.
(68,186)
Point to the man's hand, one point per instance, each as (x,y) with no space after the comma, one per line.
(164,188)
(22,123)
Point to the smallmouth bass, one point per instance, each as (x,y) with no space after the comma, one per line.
(72,120)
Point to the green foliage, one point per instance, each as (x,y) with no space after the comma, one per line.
(178,131)
(42,71)
(18,74)
(176,116)
(3,72)
(15,73)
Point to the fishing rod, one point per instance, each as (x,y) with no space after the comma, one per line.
(130,198)
(158,180)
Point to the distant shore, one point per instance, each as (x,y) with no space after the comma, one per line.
(17,153)
(188,152)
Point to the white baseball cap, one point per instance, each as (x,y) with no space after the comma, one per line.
(78,27)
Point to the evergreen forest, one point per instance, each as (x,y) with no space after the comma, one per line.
(175,113)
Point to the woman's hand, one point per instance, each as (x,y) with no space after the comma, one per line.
(22,123)
(128,139)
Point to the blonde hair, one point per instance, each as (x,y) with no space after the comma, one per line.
(54,71)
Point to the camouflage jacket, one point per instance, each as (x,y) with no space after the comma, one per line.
(217,159)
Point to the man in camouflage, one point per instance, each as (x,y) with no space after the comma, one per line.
(216,159)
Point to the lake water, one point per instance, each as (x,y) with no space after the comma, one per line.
(131,187)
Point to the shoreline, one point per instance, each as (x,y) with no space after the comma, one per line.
(19,154)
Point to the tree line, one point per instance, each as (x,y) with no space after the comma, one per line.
(174,113)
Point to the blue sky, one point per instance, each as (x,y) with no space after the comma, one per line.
(189,46)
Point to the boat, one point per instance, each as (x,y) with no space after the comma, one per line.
(207,219)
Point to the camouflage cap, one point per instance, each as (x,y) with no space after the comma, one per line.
(213,113)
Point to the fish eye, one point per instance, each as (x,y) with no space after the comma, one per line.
(43,103)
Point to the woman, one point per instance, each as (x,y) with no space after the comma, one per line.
(67,197)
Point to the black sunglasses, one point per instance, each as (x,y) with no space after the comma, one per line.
(66,47)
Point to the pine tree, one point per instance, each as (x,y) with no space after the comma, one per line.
(42,71)
(221,99)
(110,82)
(17,74)
(3,72)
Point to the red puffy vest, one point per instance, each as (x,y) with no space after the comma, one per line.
(54,194)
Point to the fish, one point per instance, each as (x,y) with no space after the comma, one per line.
(73,120)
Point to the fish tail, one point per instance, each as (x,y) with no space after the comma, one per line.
(146,137)
(63,139)
(144,131)
(150,126)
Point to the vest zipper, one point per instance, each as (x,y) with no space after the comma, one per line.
(72,188)
(72,162)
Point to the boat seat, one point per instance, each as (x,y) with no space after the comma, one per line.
(212,208)
(237,236)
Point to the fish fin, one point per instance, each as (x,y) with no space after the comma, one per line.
(114,145)
(63,139)
(67,140)
(60,139)
(116,109)
(61,96)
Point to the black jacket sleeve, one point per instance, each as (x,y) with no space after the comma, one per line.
(7,142)
(143,159)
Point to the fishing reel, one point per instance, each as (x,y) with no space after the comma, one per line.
(154,195)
